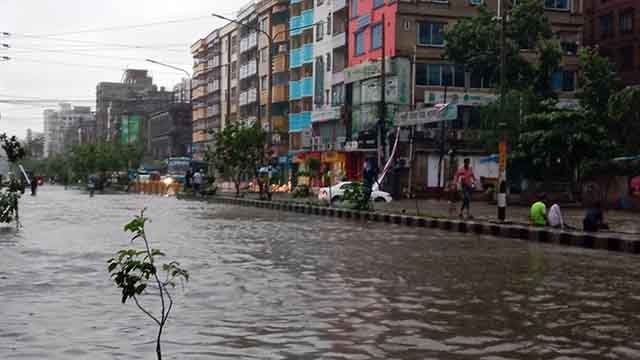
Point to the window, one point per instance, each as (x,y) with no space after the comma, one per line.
(556,4)
(568,81)
(263,111)
(406,24)
(319,31)
(626,22)
(354,8)
(234,44)
(360,43)
(606,26)
(264,56)
(376,36)
(327,96)
(233,94)
(234,70)
(329,24)
(263,83)
(377,3)
(319,2)
(431,34)
(336,95)
(328,62)
(263,24)
(626,58)
(440,75)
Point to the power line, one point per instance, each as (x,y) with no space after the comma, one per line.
(117,45)
(104,67)
(32,50)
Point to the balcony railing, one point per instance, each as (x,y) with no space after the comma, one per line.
(295,90)
(249,42)
(248,97)
(307,18)
(339,40)
(306,87)
(299,121)
(307,53)
(294,25)
(248,69)
(295,58)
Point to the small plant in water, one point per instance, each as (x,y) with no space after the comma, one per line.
(135,271)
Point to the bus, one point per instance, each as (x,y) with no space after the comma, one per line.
(177,167)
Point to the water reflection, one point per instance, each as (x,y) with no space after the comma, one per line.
(272,285)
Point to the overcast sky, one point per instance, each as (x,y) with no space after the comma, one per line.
(59,59)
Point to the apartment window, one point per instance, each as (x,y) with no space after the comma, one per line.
(264,56)
(328,62)
(569,81)
(606,26)
(327,96)
(234,44)
(263,24)
(626,58)
(440,75)
(626,21)
(234,94)
(263,83)
(329,24)
(319,31)
(376,36)
(431,34)
(354,8)
(556,4)
(377,3)
(337,95)
(360,43)
(234,70)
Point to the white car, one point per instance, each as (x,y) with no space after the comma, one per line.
(336,192)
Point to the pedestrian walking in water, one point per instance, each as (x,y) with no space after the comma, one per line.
(467,180)
(187,178)
(197,182)
(34,185)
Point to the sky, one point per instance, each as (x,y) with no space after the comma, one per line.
(61,49)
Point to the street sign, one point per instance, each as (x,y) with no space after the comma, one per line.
(440,112)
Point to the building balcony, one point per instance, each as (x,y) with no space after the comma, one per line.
(299,121)
(295,58)
(339,40)
(294,25)
(199,69)
(198,46)
(280,93)
(307,18)
(248,69)
(307,53)
(213,110)
(295,90)
(198,93)
(199,114)
(249,42)
(339,5)
(248,97)
(306,86)
(280,63)
(213,86)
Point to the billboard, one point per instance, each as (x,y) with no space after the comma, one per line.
(130,126)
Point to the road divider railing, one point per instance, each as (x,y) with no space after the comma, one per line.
(155,188)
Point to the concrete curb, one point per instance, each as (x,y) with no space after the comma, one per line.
(607,242)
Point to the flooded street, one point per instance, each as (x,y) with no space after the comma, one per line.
(274,285)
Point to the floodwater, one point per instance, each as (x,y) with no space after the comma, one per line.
(274,285)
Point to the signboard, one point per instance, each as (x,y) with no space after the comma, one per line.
(130,129)
(441,112)
(460,98)
(365,70)
(326,114)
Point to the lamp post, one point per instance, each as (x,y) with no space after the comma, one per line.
(502,178)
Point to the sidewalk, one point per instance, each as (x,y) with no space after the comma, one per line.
(619,221)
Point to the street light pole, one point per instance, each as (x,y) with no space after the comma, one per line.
(502,179)
(169,66)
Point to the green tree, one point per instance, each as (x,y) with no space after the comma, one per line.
(238,153)
(9,197)
(136,271)
(474,43)
(598,82)
(624,115)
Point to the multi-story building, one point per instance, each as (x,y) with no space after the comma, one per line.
(170,132)
(301,33)
(135,84)
(229,48)
(34,144)
(248,65)
(329,130)
(611,25)
(182,91)
(403,31)
(273,19)
(200,137)
(66,127)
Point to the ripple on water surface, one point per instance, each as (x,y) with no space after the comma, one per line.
(275,285)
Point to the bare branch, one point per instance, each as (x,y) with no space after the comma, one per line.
(145,310)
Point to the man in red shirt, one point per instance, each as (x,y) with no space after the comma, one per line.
(467,180)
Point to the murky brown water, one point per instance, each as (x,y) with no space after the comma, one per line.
(271,285)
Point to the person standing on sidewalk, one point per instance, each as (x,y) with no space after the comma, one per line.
(467,180)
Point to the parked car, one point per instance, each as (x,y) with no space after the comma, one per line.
(337,193)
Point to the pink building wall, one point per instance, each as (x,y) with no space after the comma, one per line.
(365,7)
